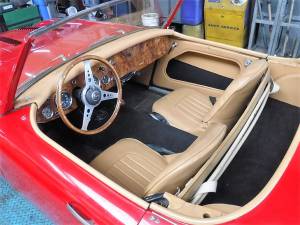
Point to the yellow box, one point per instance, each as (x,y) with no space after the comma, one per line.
(194,31)
(226,22)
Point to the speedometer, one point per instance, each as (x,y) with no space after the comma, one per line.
(66,100)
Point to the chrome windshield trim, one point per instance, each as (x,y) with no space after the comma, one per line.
(31,82)
(67,19)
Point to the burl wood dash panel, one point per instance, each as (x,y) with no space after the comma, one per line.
(140,56)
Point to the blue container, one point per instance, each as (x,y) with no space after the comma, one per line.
(192,12)
(122,9)
(41,4)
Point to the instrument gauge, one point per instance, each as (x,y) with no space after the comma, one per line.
(106,79)
(66,100)
(47,112)
(96,80)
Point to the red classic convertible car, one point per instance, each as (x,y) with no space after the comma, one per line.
(103,121)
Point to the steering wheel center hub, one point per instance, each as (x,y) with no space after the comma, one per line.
(93,96)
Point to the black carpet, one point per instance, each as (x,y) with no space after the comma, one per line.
(138,97)
(131,122)
(259,157)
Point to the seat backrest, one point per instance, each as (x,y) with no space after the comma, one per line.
(184,165)
(231,104)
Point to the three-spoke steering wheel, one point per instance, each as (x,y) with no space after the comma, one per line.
(91,95)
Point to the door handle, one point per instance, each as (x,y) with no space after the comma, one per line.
(78,216)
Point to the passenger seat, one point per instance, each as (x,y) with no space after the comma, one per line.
(191,111)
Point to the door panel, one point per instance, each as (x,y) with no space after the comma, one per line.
(227,68)
(194,74)
(200,66)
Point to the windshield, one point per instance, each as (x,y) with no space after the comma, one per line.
(63,39)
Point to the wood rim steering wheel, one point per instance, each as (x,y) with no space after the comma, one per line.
(91,95)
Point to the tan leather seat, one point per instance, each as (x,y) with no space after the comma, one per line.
(191,111)
(143,171)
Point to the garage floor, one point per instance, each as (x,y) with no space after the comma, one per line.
(16,210)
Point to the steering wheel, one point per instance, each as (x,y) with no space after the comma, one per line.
(91,94)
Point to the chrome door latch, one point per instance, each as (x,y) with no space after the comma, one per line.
(248,62)
(78,216)
(174,45)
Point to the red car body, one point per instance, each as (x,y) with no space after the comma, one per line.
(52,181)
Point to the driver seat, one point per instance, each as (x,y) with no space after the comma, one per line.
(142,171)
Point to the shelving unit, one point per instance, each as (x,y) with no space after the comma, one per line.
(273,29)
(288,22)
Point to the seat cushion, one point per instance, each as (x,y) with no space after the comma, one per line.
(185,109)
(131,164)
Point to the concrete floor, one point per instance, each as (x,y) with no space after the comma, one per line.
(16,210)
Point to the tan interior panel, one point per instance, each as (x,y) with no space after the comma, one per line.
(198,211)
(289,89)
(286,73)
(217,60)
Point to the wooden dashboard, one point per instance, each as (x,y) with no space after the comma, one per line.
(140,56)
(130,60)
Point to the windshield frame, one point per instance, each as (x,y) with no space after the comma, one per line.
(56,24)
(31,82)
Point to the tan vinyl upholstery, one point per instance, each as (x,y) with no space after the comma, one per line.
(191,111)
(224,208)
(185,109)
(143,171)
(179,205)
